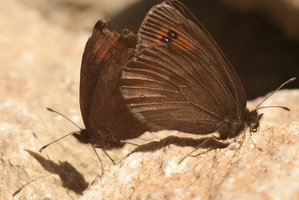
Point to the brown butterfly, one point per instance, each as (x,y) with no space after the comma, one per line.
(107,121)
(180,80)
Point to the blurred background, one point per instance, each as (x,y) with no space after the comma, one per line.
(259,38)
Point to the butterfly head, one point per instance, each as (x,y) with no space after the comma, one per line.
(99,138)
(82,136)
(253,120)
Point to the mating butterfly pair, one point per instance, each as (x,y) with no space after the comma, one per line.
(172,75)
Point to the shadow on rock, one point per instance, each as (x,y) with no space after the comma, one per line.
(70,177)
(204,143)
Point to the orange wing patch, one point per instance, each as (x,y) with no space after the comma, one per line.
(174,37)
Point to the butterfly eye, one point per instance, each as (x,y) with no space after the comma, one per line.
(168,38)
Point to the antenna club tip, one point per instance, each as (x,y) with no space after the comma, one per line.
(292,79)
(50,109)
(287,109)
(42,149)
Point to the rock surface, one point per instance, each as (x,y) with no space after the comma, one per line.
(40,64)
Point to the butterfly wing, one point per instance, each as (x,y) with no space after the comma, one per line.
(104,114)
(178,78)
(93,59)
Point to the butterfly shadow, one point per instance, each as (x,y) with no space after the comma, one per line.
(203,143)
(70,177)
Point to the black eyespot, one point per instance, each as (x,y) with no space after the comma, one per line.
(171,34)
(166,39)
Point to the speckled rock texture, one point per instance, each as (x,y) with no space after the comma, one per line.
(40,64)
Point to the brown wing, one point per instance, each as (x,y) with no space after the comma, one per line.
(178,78)
(104,114)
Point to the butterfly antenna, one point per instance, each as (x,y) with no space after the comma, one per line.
(283,107)
(44,147)
(51,110)
(288,81)
(54,111)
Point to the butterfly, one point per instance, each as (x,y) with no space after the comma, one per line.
(180,80)
(106,119)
